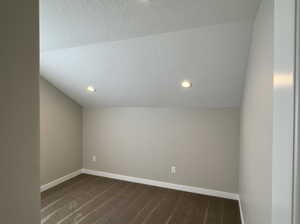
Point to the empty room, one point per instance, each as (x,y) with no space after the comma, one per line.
(149,112)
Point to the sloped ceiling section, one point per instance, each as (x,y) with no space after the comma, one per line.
(69,23)
(136,54)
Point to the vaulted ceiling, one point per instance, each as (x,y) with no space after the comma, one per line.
(136,52)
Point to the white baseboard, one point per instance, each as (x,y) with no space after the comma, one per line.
(196,190)
(241,211)
(60,180)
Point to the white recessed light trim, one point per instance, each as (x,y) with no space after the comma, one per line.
(186,84)
(91,89)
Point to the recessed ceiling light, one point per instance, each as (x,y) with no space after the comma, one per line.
(91,89)
(186,84)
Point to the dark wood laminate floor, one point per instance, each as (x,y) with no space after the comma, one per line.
(89,200)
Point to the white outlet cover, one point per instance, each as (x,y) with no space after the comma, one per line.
(173,169)
(94,158)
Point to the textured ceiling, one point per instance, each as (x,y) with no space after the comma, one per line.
(69,23)
(136,54)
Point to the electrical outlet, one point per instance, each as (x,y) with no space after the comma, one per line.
(173,169)
(94,158)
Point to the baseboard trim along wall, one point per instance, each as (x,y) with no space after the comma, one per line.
(241,210)
(186,188)
(156,183)
(60,180)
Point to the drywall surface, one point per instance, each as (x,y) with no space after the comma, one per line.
(203,144)
(61,133)
(283,129)
(255,179)
(19,112)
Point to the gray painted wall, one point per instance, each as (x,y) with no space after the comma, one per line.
(145,142)
(255,179)
(61,133)
(19,112)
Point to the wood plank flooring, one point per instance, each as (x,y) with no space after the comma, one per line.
(88,199)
